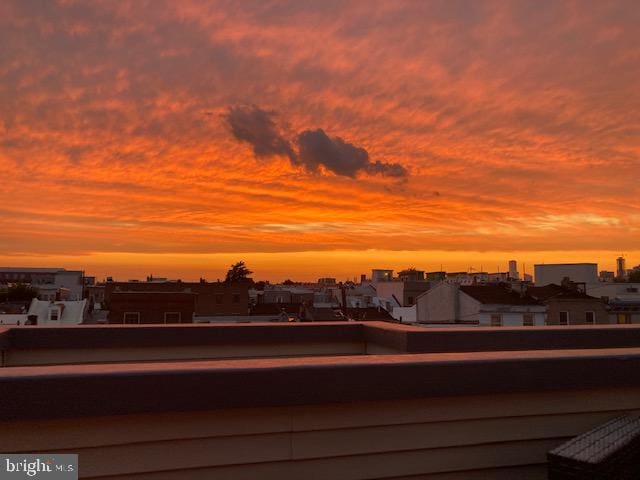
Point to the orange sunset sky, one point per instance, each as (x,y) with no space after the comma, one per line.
(318,138)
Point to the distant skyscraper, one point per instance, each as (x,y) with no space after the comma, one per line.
(513,270)
(621,270)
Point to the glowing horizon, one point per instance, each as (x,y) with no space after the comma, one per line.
(323,135)
(306,266)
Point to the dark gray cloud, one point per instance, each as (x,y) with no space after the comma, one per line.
(255,126)
(316,149)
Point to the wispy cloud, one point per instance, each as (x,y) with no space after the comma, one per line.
(393,125)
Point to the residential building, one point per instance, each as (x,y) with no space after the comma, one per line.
(568,304)
(303,312)
(152,307)
(96,293)
(483,305)
(624,311)
(411,275)
(548,273)
(436,277)
(606,276)
(213,298)
(50,292)
(477,278)
(381,275)
(56,313)
(71,280)
(275,296)
(614,291)
(623,300)
(399,293)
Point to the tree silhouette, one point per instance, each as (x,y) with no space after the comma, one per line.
(238,273)
(19,293)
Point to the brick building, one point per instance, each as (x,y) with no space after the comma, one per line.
(211,299)
(152,307)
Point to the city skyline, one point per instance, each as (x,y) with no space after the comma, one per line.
(310,265)
(329,135)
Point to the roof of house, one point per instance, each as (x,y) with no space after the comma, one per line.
(498,294)
(321,314)
(553,291)
(71,312)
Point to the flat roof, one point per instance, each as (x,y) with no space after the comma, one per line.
(559,264)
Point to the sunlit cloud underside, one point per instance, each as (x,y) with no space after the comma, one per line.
(203,129)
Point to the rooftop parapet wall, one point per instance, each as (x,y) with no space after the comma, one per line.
(460,362)
(117,389)
(396,337)
(457,414)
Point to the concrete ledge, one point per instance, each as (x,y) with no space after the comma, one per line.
(480,339)
(99,390)
(394,337)
(119,336)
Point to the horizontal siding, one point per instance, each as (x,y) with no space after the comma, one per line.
(365,440)
(521,472)
(378,466)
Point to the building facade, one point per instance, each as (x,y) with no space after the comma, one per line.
(151,307)
(213,298)
(548,273)
(482,305)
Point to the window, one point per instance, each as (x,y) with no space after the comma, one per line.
(410,300)
(131,317)
(172,317)
(219,298)
(496,320)
(624,318)
(590,318)
(236,298)
(527,320)
(54,314)
(564,318)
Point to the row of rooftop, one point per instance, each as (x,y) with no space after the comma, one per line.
(563,294)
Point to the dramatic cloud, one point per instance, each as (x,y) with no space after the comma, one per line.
(518,121)
(340,157)
(257,127)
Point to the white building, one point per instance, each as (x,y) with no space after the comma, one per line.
(483,305)
(548,273)
(381,275)
(57,313)
(513,270)
(53,278)
(404,314)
